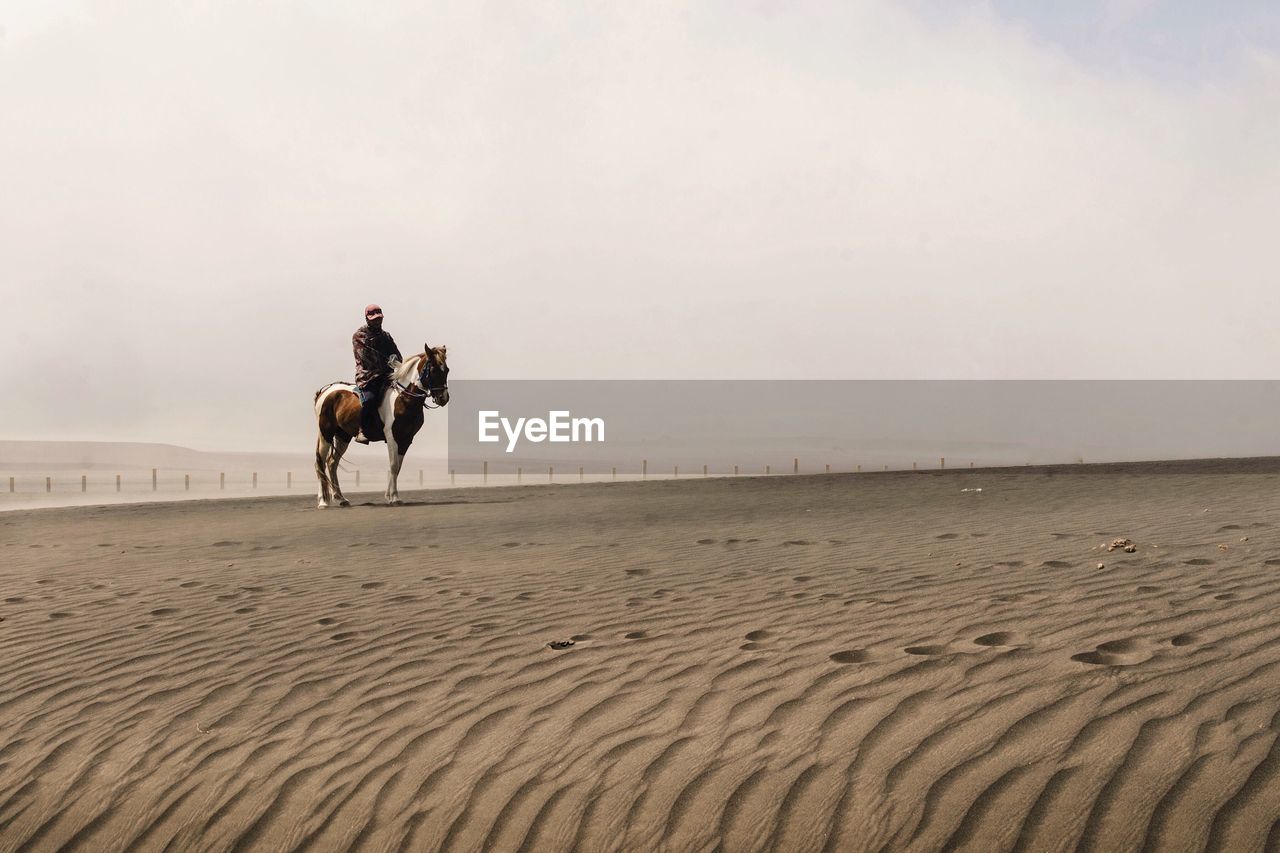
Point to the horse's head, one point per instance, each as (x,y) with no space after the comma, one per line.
(433,375)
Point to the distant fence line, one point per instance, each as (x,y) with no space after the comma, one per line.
(707,471)
(275,480)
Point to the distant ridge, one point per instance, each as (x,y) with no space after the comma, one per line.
(48,456)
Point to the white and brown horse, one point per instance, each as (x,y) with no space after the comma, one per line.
(413,381)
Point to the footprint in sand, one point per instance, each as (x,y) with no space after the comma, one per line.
(1056,564)
(1199,561)
(851,656)
(797,542)
(1127,652)
(343,636)
(635,635)
(758,635)
(372,585)
(1001,638)
(1184,640)
(945,536)
(1224,596)
(164,611)
(637,573)
(706,541)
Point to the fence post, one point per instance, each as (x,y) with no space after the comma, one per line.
(452,477)
(913,466)
(795,465)
(766,470)
(288,479)
(735,470)
(971,464)
(117,482)
(704,470)
(579,473)
(614,473)
(857,469)
(519,476)
(48,484)
(942,462)
(677,471)
(84,483)
(153,479)
(644,469)
(551,473)
(11,485)
(222,480)
(828,467)
(186,482)
(484,477)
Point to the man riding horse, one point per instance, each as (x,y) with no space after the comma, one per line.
(387,402)
(374,351)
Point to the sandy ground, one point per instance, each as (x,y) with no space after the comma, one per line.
(848,662)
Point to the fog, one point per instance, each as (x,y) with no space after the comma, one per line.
(197,199)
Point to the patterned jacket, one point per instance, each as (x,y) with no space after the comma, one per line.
(373,349)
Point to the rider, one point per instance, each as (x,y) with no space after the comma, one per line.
(374,351)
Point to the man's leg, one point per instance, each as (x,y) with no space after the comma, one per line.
(370,423)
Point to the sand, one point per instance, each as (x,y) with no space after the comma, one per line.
(853,662)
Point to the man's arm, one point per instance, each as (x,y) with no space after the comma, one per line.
(366,356)
(395,349)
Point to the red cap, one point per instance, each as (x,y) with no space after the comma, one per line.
(371,311)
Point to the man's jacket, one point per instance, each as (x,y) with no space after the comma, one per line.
(373,348)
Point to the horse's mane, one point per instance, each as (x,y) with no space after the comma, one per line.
(407,370)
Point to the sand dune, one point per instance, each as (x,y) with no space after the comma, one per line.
(848,662)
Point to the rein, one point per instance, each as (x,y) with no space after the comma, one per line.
(417,392)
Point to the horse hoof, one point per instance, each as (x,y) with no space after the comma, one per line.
(396,502)
(345,502)
(322,506)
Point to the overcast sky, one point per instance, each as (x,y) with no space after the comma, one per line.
(198,198)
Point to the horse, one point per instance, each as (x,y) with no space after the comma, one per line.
(401,409)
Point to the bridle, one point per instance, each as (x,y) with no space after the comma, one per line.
(420,390)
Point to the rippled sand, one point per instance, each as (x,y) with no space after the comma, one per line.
(855,662)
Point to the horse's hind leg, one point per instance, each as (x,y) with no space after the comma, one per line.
(323,493)
(340,445)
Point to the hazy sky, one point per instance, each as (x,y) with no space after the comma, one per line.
(197,198)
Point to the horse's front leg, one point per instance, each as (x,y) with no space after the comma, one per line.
(394,460)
